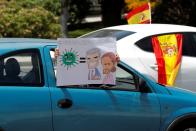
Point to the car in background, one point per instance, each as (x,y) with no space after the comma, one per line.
(135,48)
(31,101)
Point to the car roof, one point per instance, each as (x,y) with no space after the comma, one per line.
(145,29)
(26,42)
(150,29)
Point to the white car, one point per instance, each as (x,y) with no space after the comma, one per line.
(134,47)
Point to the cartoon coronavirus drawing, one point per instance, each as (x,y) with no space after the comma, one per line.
(69,58)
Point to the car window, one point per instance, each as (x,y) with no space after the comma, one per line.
(145,44)
(118,34)
(188,44)
(125,80)
(22,68)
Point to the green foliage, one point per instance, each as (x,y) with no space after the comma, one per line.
(53,6)
(176,12)
(38,18)
(23,18)
(79,32)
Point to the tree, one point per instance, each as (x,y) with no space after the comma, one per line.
(78,9)
(176,12)
(64,17)
(20,19)
(40,18)
(73,12)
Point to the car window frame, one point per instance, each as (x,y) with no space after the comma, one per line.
(20,51)
(93,86)
(139,76)
(183,33)
(86,86)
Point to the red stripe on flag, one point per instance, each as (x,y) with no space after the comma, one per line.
(162,79)
(137,10)
(179,41)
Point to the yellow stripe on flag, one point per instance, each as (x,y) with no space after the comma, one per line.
(173,76)
(139,18)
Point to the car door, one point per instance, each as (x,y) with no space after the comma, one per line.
(25,97)
(99,107)
(186,75)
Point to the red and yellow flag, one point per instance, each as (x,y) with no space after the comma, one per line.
(139,15)
(168,52)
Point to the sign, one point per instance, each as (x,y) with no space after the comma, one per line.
(86,61)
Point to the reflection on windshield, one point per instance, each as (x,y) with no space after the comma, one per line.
(118,34)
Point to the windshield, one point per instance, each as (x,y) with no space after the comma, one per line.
(118,34)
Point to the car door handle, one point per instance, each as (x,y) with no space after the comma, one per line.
(154,67)
(65,103)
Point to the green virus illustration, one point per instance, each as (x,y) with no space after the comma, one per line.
(69,58)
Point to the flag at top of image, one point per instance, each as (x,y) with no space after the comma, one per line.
(140,15)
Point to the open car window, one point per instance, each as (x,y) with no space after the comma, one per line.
(125,79)
(21,68)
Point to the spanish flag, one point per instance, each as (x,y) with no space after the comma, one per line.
(140,15)
(168,52)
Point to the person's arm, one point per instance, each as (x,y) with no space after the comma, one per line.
(56,53)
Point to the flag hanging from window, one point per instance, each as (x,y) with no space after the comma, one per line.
(140,15)
(168,52)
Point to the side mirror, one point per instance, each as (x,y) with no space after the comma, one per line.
(143,87)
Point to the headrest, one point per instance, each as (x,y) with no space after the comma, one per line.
(12,67)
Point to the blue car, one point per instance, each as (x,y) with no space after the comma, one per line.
(31,101)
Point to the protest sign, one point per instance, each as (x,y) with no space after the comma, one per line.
(86,61)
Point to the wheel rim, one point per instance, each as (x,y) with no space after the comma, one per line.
(190,129)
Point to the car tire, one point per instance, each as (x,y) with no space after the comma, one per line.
(188,126)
